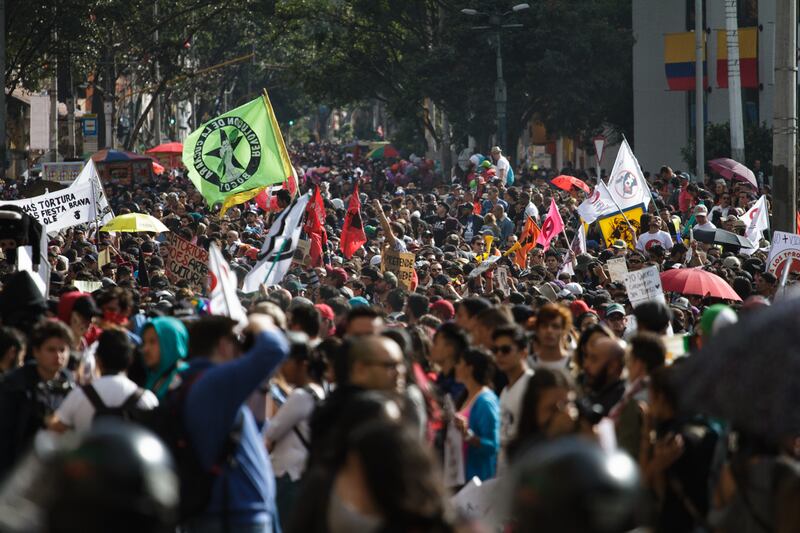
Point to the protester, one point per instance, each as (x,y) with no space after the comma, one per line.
(165,346)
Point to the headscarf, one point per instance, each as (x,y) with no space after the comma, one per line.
(173,341)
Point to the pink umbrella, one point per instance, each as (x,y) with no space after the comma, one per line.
(698,282)
(731,169)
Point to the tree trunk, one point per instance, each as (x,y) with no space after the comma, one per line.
(143,116)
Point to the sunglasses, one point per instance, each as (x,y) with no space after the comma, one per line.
(505,349)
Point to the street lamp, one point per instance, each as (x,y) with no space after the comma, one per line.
(500,94)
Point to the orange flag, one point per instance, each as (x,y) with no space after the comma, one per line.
(526,243)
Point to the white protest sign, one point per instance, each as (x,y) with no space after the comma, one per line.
(501,279)
(87,286)
(644,285)
(617,269)
(61,209)
(483,267)
(478,499)
(784,246)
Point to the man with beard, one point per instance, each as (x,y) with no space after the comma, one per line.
(605,359)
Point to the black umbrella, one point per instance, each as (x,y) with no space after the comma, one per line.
(721,236)
(748,373)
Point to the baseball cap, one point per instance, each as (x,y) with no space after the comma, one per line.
(701,210)
(619,244)
(614,308)
(325,311)
(358,301)
(445,307)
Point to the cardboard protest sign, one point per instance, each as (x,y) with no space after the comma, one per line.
(501,280)
(784,246)
(186,261)
(617,269)
(644,285)
(614,227)
(302,253)
(401,264)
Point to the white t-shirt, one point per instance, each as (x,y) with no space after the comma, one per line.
(77,412)
(510,407)
(647,239)
(502,164)
(289,455)
(707,226)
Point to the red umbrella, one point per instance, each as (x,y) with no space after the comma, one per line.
(166,148)
(567,182)
(158,169)
(731,169)
(699,282)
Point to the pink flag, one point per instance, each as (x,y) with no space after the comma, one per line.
(552,226)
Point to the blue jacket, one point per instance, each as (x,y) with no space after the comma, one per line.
(210,412)
(484,421)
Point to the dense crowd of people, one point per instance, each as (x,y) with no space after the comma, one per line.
(353,401)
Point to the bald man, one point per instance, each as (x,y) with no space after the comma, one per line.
(376,363)
(605,359)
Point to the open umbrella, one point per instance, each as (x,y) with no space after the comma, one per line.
(166,148)
(697,281)
(386,151)
(721,236)
(134,222)
(158,168)
(747,373)
(731,169)
(567,182)
(115,156)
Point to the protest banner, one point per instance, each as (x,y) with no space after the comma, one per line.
(617,269)
(61,172)
(185,261)
(501,280)
(616,227)
(644,285)
(401,264)
(484,266)
(61,209)
(785,246)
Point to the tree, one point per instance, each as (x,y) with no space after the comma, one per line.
(757,145)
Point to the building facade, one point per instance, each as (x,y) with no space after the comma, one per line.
(663,118)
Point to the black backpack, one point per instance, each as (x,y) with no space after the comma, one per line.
(196,482)
(126,410)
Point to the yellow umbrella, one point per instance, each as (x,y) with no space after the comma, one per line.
(134,222)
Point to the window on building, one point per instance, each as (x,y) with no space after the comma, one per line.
(690,15)
(690,109)
(750,106)
(748,13)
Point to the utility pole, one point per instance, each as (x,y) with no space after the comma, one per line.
(784,122)
(734,80)
(699,89)
(3,141)
(500,94)
(157,103)
(54,105)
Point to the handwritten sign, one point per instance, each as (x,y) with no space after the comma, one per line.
(401,264)
(60,209)
(784,246)
(644,285)
(617,269)
(186,261)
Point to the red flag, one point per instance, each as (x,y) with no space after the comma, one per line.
(552,226)
(314,228)
(353,236)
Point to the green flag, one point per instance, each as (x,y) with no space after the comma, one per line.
(235,152)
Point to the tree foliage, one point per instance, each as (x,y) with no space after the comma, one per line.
(757,145)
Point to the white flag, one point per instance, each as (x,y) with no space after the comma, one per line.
(222,287)
(276,254)
(89,175)
(626,189)
(757,220)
